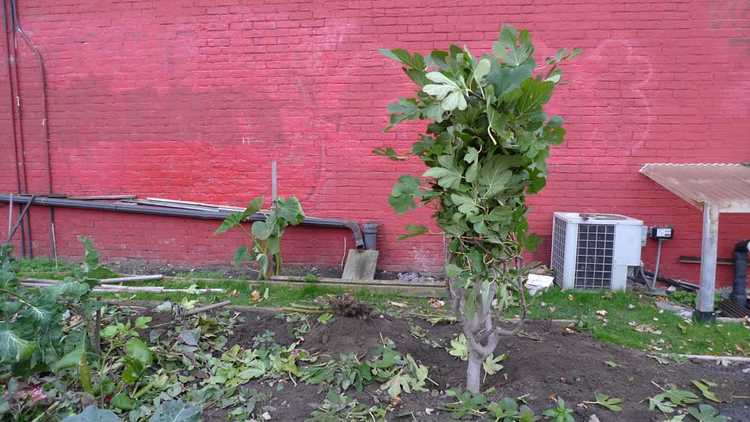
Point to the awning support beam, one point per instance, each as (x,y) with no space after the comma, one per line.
(709,251)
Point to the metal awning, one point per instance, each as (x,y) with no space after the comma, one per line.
(714,188)
(725,186)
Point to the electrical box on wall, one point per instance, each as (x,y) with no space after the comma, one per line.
(660,232)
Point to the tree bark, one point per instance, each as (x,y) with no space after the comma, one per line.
(474,372)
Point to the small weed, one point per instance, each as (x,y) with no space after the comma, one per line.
(684,298)
(467,404)
(559,413)
(325,318)
(508,410)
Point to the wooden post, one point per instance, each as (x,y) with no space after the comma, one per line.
(709,247)
(10,216)
(274,186)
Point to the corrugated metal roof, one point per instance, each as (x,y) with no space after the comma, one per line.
(726,186)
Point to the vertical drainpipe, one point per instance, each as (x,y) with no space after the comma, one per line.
(370,231)
(709,250)
(739,288)
(45,125)
(19,151)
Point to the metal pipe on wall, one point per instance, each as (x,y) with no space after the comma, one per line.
(19,151)
(45,125)
(739,287)
(179,212)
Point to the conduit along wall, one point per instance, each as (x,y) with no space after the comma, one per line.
(175,209)
(14,33)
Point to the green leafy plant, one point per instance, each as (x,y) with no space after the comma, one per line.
(466,404)
(325,318)
(266,235)
(668,400)
(410,377)
(93,414)
(705,388)
(610,403)
(396,373)
(706,413)
(32,321)
(485,149)
(311,278)
(459,348)
(343,373)
(508,410)
(340,408)
(560,413)
(491,364)
(176,411)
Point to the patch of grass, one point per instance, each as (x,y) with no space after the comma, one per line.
(632,320)
(238,291)
(44,268)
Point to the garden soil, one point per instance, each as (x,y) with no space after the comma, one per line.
(555,363)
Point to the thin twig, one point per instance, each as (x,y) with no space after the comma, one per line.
(20,299)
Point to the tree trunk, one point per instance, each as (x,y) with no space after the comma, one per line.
(474,372)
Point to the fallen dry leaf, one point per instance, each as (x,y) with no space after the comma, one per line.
(436,303)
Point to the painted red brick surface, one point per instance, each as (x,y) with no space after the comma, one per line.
(193,99)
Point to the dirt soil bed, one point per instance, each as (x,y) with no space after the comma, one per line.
(571,366)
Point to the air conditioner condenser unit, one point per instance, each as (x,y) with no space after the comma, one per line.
(594,251)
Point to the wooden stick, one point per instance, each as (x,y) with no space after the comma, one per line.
(131,278)
(404,289)
(101,197)
(135,289)
(202,204)
(113,280)
(152,289)
(207,308)
(395,283)
(10,216)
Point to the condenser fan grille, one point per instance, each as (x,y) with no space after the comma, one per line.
(594,253)
(558,247)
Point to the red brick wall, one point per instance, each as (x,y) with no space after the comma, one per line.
(192,100)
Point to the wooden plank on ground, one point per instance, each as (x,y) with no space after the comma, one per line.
(392,283)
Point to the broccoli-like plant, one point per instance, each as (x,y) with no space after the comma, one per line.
(33,321)
(486,148)
(266,235)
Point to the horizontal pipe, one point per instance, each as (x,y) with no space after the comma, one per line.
(177,212)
